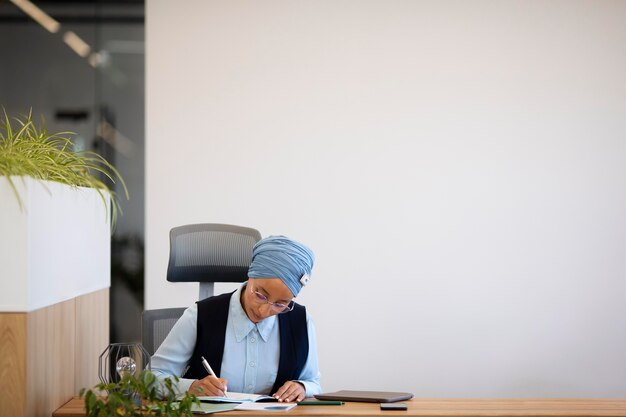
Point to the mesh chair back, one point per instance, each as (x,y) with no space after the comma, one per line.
(210,253)
(156,325)
(204,253)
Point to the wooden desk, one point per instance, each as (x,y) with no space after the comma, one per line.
(433,407)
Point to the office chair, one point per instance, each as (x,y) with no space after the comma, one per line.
(206,253)
(156,325)
(209,253)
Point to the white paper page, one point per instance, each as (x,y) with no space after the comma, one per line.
(266,406)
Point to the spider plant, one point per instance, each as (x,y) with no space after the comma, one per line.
(29,150)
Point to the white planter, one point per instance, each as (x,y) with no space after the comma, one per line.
(55,248)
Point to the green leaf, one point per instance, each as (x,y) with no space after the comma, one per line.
(29,150)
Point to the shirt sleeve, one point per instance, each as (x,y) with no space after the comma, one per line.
(172,357)
(310,376)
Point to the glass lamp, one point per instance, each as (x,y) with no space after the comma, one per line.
(122,359)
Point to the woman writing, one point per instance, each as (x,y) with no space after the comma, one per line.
(256,339)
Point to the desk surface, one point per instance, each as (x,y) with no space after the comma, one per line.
(434,407)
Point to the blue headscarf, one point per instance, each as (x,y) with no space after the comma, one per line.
(281,257)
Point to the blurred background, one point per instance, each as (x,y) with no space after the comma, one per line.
(80,64)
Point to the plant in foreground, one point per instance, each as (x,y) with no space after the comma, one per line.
(138,395)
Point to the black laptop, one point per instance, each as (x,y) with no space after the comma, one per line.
(365,396)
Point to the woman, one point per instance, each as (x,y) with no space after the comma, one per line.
(257,339)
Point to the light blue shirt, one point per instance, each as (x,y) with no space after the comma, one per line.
(251,352)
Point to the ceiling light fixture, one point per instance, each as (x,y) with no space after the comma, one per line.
(76,43)
(38,15)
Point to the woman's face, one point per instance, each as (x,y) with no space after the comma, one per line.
(274,289)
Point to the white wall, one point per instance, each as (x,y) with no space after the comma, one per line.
(458,168)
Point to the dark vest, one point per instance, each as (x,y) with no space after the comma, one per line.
(212,318)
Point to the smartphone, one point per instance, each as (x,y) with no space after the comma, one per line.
(393,406)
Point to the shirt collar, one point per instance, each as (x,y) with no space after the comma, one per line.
(242,325)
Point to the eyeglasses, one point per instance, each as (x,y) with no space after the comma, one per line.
(277,307)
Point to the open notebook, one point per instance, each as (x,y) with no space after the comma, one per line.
(210,408)
(265,406)
(238,397)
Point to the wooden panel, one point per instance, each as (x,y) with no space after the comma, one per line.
(47,355)
(51,351)
(92,336)
(13,364)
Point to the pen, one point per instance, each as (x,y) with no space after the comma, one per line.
(210,370)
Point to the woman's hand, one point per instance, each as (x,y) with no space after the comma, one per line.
(209,386)
(290,391)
